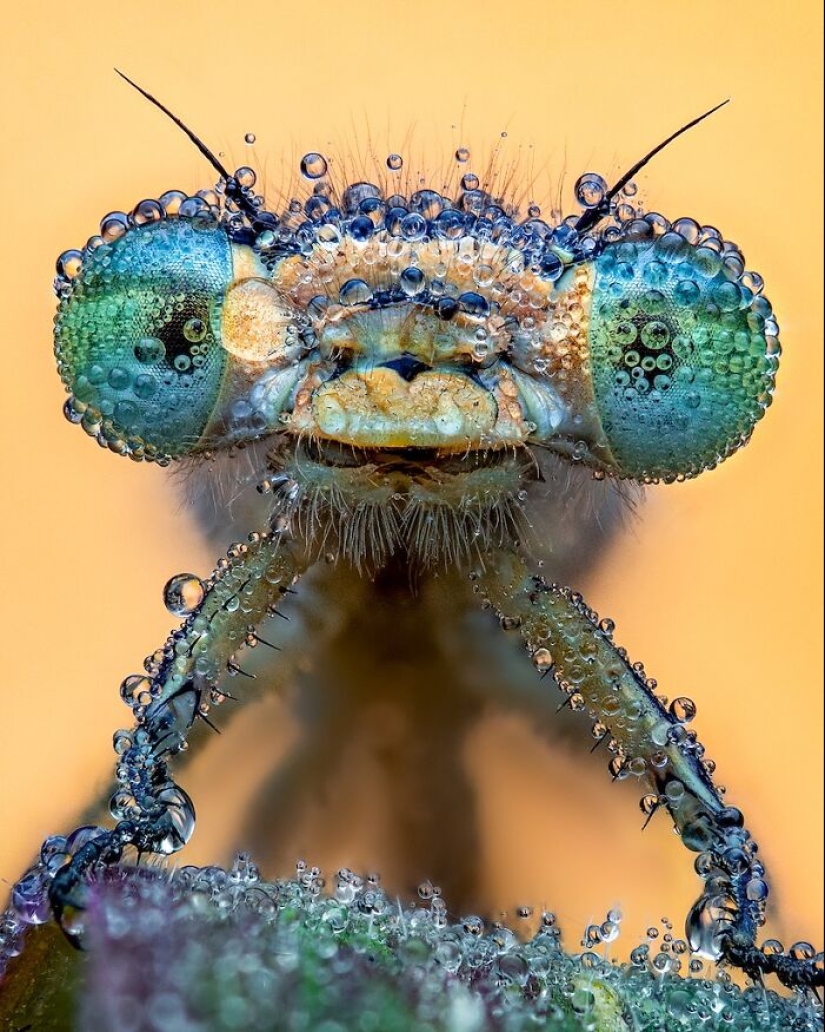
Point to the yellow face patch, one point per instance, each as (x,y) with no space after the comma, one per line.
(377,408)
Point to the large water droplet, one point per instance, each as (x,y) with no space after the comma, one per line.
(183,594)
(590,190)
(313,165)
(30,899)
(355,292)
(68,264)
(173,830)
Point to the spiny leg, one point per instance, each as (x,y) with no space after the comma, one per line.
(183,680)
(566,639)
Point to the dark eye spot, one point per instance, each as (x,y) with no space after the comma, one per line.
(185,334)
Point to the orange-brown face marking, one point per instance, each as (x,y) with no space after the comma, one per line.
(487,375)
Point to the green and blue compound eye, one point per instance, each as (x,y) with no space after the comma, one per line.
(683,356)
(138,336)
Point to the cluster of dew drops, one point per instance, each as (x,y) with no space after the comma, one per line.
(365,208)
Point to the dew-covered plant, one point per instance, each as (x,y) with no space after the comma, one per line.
(404,383)
(223,950)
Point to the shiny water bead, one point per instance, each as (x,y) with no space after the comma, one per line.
(69,263)
(183,594)
(113,226)
(138,336)
(590,190)
(355,292)
(313,165)
(147,211)
(30,899)
(249,138)
(683,709)
(246,176)
(173,828)
(412,281)
(683,360)
(395,162)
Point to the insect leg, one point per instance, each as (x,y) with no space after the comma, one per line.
(183,678)
(566,640)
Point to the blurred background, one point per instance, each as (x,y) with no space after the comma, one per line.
(716,586)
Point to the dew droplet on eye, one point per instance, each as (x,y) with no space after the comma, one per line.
(469,181)
(68,264)
(313,165)
(113,226)
(147,211)
(249,138)
(395,162)
(462,155)
(194,330)
(183,594)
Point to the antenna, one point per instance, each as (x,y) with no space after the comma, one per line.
(589,218)
(260,220)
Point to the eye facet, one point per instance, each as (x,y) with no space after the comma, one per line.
(683,357)
(138,338)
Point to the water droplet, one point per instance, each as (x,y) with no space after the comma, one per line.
(590,190)
(113,226)
(194,330)
(683,709)
(361,229)
(412,281)
(474,304)
(313,165)
(246,176)
(355,292)
(134,687)
(147,211)
(30,899)
(249,138)
(69,263)
(174,828)
(395,162)
(542,660)
(462,155)
(183,594)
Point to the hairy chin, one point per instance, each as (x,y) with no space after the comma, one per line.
(431,511)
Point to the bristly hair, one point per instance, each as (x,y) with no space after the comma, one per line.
(260,219)
(557,510)
(357,514)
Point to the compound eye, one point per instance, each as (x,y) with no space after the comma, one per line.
(683,357)
(138,338)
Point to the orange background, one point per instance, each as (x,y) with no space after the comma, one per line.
(717,586)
